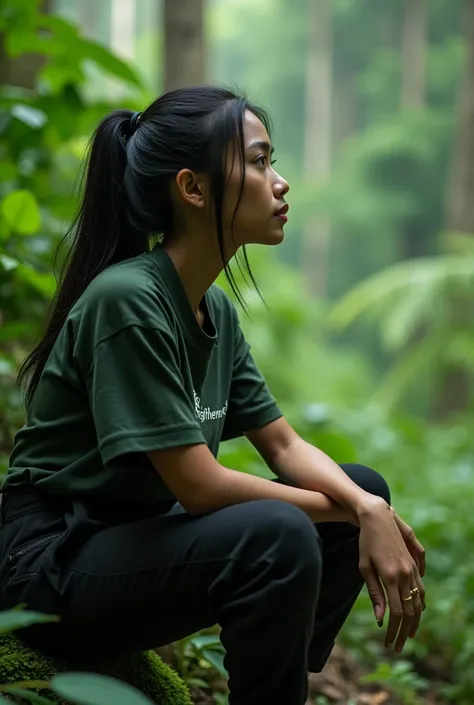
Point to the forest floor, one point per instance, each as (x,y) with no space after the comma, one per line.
(340,684)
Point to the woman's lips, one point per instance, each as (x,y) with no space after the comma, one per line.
(282,213)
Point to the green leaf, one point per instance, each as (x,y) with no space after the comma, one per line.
(4,700)
(19,619)
(43,283)
(27,695)
(8,170)
(8,262)
(21,211)
(216,659)
(196,683)
(108,61)
(202,641)
(337,446)
(30,116)
(93,689)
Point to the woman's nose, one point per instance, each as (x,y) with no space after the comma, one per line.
(281,187)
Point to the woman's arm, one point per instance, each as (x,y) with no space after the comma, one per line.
(202,485)
(304,466)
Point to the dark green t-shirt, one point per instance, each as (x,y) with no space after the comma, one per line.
(132,372)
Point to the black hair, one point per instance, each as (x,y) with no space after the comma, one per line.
(126,199)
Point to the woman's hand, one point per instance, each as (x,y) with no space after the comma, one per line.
(385,561)
(411,542)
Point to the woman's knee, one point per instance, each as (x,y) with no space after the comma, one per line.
(284,534)
(368,479)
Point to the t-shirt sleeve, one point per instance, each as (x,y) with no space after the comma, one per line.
(251,405)
(137,394)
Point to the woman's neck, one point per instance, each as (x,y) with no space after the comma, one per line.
(198,264)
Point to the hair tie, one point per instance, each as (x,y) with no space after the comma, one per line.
(134,123)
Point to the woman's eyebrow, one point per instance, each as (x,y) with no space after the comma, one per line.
(262,144)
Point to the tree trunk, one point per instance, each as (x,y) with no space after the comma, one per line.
(122,27)
(345,113)
(318,138)
(414,54)
(459,201)
(22,70)
(185,59)
(455,394)
(414,241)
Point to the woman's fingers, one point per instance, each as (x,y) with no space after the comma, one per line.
(418,604)
(409,611)
(405,607)
(396,611)
(421,557)
(375,590)
(414,546)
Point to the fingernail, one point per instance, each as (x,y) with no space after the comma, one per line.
(380,623)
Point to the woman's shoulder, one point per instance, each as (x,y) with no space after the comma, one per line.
(124,294)
(220,300)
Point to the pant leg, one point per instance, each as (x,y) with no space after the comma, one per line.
(151,582)
(341,581)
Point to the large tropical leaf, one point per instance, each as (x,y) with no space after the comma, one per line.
(408,296)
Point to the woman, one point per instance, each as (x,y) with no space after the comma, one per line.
(116,514)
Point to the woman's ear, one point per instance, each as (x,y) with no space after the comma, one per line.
(192,187)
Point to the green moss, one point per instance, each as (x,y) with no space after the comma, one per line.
(146,671)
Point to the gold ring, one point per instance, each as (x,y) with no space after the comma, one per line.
(415,591)
(407,599)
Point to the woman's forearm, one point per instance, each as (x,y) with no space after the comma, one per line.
(307,467)
(233,487)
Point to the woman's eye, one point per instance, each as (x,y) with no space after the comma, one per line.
(262,159)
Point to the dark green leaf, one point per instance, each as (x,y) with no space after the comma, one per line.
(8,170)
(28,695)
(93,689)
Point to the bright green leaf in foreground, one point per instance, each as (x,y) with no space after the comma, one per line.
(19,619)
(93,689)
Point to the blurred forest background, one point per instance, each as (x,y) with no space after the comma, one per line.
(368,339)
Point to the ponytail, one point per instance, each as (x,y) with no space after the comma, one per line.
(101,236)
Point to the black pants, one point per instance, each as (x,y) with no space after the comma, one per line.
(280,587)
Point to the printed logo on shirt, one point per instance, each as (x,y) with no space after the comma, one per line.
(206,413)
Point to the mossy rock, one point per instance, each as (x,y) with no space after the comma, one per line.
(146,671)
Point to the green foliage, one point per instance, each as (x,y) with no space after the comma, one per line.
(401,679)
(389,173)
(200,662)
(42,680)
(431,297)
(42,139)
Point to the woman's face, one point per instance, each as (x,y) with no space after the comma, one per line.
(259,218)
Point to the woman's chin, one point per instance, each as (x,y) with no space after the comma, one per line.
(275,236)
